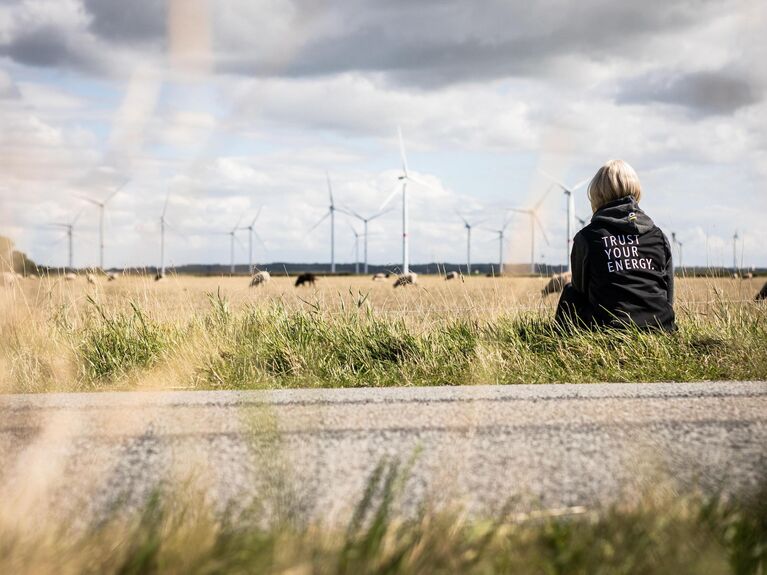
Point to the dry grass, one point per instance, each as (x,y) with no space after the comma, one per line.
(217,332)
(177,532)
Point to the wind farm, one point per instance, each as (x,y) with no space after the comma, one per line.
(382,287)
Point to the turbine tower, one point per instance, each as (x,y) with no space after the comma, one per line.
(332,213)
(251,232)
(468,226)
(568,191)
(70,228)
(162,236)
(678,245)
(534,219)
(406,177)
(364,234)
(356,249)
(101,204)
(501,240)
(735,238)
(232,236)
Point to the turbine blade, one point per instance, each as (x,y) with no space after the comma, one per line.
(237,225)
(420,182)
(553,179)
(165,206)
(322,219)
(465,221)
(113,194)
(402,150)
(540,227)
(330,190)
(350,212)
(258,214)
(380,213)
(87,199)
(579,184)
(543,198)
(77,217)
(397,189)
(255,233)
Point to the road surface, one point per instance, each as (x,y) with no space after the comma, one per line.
(309,452)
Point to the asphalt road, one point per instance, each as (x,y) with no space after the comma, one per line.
(309,452)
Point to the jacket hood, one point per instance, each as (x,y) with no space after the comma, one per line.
(625,215)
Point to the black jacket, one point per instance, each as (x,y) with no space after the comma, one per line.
(621,263)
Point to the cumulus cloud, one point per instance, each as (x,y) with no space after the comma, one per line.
(704,93)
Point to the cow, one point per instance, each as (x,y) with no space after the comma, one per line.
(762,295)
(556,283)
(70,277)
(379,277)
(91,279)
(306,278)
(111,277)
(453,276)
(406,279)
(260,278)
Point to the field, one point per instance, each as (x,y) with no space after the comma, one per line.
(217,333)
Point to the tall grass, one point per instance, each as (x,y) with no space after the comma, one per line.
(178,533)
(122,341)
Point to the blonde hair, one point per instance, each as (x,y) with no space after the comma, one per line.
(615,180)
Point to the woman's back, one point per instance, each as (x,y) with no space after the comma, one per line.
(622,263)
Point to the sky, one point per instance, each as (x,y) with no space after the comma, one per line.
(230,106)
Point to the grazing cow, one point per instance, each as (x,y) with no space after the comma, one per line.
(91,279)
(70,277)
(557,283)
(306,278)
(406,279)
(111,277)
(453,276)
(159,277)
(748,276)
(259,278)
(380,277)
(762,295)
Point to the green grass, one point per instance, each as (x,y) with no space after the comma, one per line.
(273,346)
(180,534)
(112,344)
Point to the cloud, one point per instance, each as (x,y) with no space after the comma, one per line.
(133,22)
(8,88)
(704,93)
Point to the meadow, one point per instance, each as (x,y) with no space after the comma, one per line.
(217,333)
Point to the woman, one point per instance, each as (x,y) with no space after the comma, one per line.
(621,261)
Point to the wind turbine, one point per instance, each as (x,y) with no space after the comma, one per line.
(251,232)
(468,227)
(364,234)
(534,219)
(70,227)
(568,191)
(101,204)
(357,248)
(332,213)
(405,178)
(678,244)
(501,240)
(232,236)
